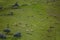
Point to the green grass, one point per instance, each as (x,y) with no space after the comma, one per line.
(39,23)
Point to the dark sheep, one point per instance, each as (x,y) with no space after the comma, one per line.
(15,6)
(2,36)
(1,7)
(17,35)
(11,14)
(7,30)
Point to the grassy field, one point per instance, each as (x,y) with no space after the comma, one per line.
(35,18)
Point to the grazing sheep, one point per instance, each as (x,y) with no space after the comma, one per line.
(2,36)
(17,35)
(10,14)
(1,7)
(15,6)
(7,30)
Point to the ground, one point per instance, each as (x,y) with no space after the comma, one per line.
(33,20)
